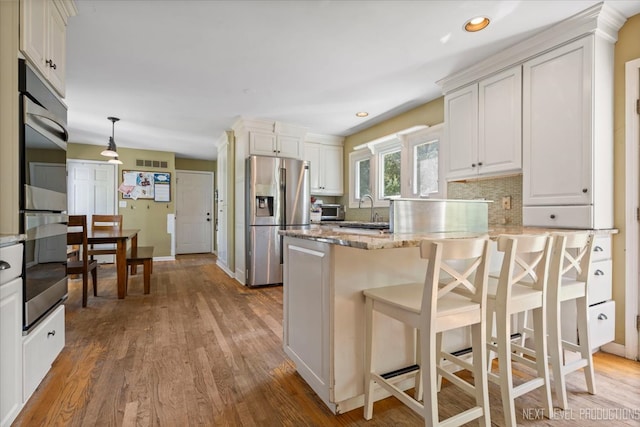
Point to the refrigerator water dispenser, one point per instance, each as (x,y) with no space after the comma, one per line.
(264,206)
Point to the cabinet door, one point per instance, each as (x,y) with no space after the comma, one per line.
(57,49)
(333,182)
(289,146)
(499,122)
(11,344)
(557,136)
(34,27)
(313,153)
(461,123)
(262,144)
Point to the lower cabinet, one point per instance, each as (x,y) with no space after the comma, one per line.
(10,333)
(602,320)
(11,345)
(40,348)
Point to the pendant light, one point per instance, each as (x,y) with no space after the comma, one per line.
(115,161)
(111,148)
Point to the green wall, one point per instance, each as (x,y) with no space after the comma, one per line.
(196,165)
(627,48)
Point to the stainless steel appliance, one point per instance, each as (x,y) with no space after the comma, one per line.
(43,196)
(277,197)
(331,212)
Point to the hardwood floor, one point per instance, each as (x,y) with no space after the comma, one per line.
(203,350)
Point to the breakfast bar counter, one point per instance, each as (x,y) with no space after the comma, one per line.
(325,271)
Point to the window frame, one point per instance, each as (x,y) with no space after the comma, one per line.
(354,158)
(433,133)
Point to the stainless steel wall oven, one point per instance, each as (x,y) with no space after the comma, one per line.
(43,196)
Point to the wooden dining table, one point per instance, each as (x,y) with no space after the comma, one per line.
(119,238)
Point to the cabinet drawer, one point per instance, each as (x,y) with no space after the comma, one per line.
(601,282)
(602,323)
(12,256)
(558,216)
(601,248)
(40,348)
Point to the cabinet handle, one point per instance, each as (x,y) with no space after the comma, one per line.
(479,163)
(599,272)
(473,165)
(584,190)
(48,62)
(552,216)
(602,316)
(598,249)
(51,333)
(4,265)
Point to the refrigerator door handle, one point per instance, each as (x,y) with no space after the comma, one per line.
(283,196)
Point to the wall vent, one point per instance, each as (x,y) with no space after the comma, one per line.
(152,163)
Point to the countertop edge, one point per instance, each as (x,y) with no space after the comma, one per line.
(11,239)
(327,234)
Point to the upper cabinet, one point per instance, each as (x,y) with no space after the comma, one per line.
(482,124)
(568,136)
(326,157)
(556,97)
(43,28)
(273,144)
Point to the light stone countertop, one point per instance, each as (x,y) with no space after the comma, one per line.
(10,239)
(333,235)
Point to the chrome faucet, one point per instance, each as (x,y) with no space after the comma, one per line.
(371,199)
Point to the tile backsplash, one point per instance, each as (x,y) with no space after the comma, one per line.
(492,189)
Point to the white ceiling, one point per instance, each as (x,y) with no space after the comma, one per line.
(179,73)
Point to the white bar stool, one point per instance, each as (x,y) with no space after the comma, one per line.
(522,286)
(569,280)
(449,298)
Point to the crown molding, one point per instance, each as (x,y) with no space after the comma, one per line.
(600,20)
(324,139)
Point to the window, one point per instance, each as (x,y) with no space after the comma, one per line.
(389,174)
(406,164)
(425,168)
(423,164)
(363,177)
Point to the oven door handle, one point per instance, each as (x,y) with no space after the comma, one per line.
(34,110)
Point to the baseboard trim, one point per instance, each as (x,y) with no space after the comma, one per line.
(614,348)
(164,258)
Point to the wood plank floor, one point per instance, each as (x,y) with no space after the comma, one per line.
(203,350)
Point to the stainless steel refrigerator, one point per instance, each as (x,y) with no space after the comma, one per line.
(277,197)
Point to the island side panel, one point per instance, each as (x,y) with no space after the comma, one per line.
(356,270)
(306,326)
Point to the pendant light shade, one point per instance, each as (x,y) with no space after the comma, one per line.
(115,160)
(110,151)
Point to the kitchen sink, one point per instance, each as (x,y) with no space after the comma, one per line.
(367,225)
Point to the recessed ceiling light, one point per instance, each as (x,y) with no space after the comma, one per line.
(476,24)
(362,114)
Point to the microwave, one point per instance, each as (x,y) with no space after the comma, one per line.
(331,212)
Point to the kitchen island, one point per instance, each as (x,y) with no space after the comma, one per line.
(325,272)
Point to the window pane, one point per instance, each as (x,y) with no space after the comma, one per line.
(425,168)
(391,174)
(363,178)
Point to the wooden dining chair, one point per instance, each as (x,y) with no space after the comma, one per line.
(452,296)
(77,235)
(104,222)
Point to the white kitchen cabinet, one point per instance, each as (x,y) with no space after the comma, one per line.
(568,134)
(483,127)
(43,27)
(40,348)
(10,333)
(599,296)
(271,144)
(326,168)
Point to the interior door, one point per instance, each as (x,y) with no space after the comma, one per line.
(194,212)
(91,189)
